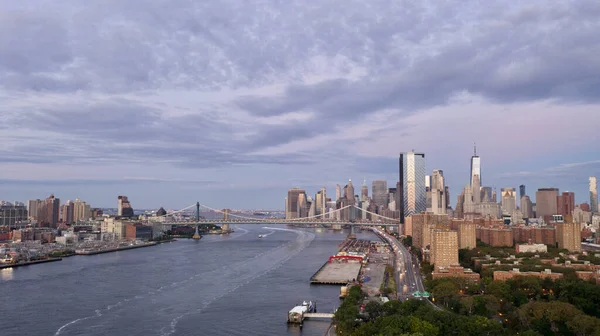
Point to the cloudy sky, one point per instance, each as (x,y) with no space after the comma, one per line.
(233,102)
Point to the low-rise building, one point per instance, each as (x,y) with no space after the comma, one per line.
(531,248)
(455,271)
(506,275)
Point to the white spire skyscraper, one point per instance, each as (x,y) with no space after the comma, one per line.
(593,194)
(475,167)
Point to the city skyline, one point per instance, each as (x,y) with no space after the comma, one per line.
(167,112)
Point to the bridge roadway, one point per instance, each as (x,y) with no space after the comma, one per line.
(283,221)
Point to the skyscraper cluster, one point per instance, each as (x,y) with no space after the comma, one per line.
(416,193)
(49,212)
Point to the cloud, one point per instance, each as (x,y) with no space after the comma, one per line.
(226,92)
(565,169)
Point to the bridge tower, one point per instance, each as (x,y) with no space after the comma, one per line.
(197,233)
(225,228)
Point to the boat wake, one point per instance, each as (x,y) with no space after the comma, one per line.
(279,257)
(220,281)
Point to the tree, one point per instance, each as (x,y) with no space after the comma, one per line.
(422,327)
(374,310)
(445,291)
(584,325)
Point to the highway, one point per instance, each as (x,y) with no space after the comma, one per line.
(407,264)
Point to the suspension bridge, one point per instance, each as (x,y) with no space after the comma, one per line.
(348,215)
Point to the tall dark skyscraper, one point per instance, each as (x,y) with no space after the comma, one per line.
(411,191)
(522,191)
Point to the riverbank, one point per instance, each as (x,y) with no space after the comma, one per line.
(120,248)
(27,263)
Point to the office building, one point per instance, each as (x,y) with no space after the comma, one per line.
(380,193)
(321,201)
(364,191)
(12,213)
(565,204)
(349,191)
(545,200)
(303,205)
(593,195)
(475,167)
(412,183)
(338,192)
(476,189)
(436,197)
(124,208)
(292,203)
(509,200)
(526,207)
(522,191)
(486,194)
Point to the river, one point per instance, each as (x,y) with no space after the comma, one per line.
(235,284)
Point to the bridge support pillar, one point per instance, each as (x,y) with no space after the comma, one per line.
(197,233)
(225,228)
(351,229)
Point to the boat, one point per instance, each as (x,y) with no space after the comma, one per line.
(260,236)
(296,315)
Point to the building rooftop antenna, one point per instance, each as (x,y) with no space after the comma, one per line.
(474,149)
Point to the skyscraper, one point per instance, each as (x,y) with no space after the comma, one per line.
(48,213)
(522,191)
(364,191)
(476,188)
(545,203)
(565,203)
(412,181)
(380,193)
(509,200)
(476,166)
(593,194)
(338,192)
(292,203)
(436,202)
(67,212)
(124,208)
(349,191)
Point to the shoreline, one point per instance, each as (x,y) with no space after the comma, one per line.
(27,263)
(94,252)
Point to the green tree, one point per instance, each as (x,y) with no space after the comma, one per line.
(374,310)
(584,325)
(445,292)
(422,327)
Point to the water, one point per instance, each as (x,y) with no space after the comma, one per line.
(221,285)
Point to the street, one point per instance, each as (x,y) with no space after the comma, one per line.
(408,270)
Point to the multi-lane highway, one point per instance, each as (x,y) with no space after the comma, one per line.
(408,270)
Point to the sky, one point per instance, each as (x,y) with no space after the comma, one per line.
(231,103)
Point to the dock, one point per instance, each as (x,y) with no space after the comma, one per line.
(313,316)
(27,263)
(115,249)
(334,273)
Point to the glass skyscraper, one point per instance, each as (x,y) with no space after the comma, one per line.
(412,180)
(476,168)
